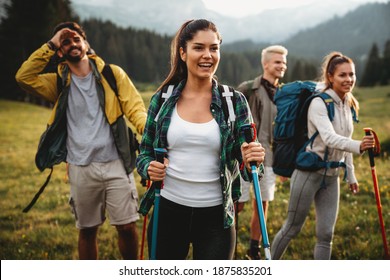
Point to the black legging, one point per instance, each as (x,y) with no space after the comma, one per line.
(179,225)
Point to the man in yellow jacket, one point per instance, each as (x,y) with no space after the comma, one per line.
(87,130)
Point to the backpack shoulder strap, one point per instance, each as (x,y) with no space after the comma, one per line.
(228,103)
(61,83)
(166,92)
(41,189)
(109,76)
(329,104)
(107,73)
(354,115)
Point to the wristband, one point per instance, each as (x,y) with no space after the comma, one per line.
(51,45)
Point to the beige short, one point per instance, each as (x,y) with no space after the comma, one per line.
(98,187)
(267,186)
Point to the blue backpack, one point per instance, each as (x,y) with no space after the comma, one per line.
(290,131)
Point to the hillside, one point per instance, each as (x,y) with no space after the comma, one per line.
(48,232)
(353,34)
(165,17)
(144,54)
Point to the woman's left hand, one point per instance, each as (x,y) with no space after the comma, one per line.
(252,152)
(354,188)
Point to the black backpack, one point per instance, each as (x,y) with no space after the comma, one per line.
(133,141)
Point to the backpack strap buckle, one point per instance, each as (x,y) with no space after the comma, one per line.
(168,93)
(165,94)
(227,94)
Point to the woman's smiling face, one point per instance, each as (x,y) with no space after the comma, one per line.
(344,78)
(202,55)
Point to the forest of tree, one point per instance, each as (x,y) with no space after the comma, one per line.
(25,26)
(144,55)
(377,70)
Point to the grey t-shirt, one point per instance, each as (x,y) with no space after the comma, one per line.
(89,135)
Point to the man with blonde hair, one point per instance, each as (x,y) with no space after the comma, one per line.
(260,93)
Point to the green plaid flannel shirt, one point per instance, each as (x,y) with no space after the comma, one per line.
(155,136)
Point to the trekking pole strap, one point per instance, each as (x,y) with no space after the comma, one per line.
(373,152)
(249,137)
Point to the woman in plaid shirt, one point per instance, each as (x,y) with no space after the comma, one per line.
(204,152)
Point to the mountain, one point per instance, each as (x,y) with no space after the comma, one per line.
(352,34)
(161,16)
(165,17)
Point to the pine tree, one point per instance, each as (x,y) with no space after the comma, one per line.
(298,72)
(372,71)
(385,76)
(310,71)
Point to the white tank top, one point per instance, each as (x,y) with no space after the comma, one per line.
(194,157)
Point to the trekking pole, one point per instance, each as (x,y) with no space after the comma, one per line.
(144,229)
(372,153)
(236,226)
(247,130)
(160,154)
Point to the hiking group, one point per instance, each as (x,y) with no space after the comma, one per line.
(193,146)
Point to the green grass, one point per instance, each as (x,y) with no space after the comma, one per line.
(48,230)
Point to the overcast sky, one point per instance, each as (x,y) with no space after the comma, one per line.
(247,7)
(243,7)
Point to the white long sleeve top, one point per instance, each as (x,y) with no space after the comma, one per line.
(335,135)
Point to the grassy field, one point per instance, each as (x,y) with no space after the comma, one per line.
(48,231)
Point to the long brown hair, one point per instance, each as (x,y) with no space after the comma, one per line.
(186,33)
(329,66)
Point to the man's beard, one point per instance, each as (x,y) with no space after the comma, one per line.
(71,58)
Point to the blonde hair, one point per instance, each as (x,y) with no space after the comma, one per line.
(329,66)
(266,53)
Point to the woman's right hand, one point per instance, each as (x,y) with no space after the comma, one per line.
(157,170)
(252,152)
(368,142)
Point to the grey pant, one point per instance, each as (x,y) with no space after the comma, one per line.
(306,188)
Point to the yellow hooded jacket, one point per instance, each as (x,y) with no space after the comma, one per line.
(52,147)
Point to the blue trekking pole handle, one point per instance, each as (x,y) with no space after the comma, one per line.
(247,131)
(160,154)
